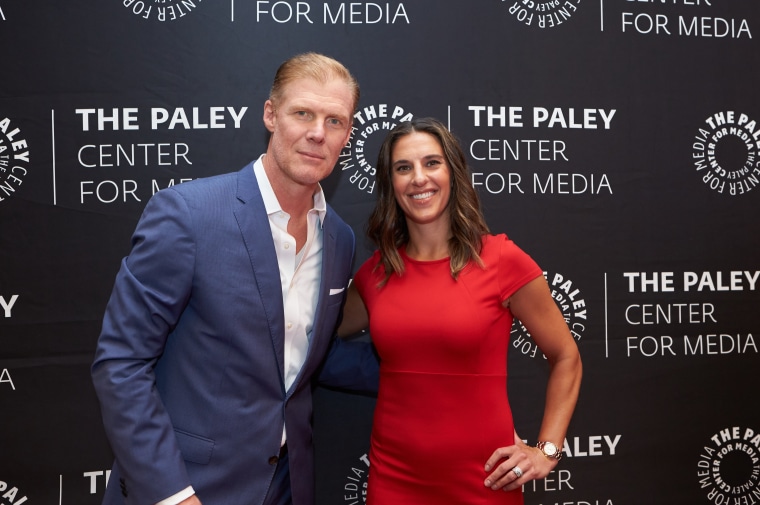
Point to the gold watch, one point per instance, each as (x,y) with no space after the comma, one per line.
(550,450)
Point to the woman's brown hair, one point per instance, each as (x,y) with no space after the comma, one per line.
(387,224)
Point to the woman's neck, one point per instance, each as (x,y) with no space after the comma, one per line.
(428,243)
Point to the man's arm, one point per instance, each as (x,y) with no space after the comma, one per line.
(149,294)
(351,365)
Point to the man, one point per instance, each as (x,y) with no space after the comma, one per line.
(224,311)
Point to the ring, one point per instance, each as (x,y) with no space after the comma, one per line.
(517,471)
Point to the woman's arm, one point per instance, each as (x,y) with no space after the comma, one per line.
(534,306)
(355,317)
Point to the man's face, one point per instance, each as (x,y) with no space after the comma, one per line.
(310,124)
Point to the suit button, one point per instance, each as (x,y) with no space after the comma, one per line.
(273,460)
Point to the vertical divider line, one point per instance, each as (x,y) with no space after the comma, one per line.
(52,143)
(606,327)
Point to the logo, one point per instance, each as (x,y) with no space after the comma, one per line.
(688,22)
(126,155)
(355,488)
(543,14)
(572,305)
(165,10)
(673,303)
(14,158)
(725,153)
(551,159)
(357,158)
(729,466)
(344,13)
(10,494)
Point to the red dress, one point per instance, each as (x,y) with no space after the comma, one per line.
(442,407)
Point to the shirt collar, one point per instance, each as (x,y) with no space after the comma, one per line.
(271,203)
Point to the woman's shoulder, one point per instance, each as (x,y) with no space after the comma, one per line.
(500,247)
(513,266)
(369,265)
(494,242)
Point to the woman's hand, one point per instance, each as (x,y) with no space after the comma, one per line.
(529,463)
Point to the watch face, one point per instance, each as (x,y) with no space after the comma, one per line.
(550,449)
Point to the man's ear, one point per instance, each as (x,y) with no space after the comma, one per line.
(269,115)
(348,135)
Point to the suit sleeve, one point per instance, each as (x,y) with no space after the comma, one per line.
(351,365)
(150,292)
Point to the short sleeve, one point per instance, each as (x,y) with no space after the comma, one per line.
(515,267)
(368,276)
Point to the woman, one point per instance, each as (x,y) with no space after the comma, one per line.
(439,297)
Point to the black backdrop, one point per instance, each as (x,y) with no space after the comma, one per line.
(615,141)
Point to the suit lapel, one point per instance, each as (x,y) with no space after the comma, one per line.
(328,253)
(254,226)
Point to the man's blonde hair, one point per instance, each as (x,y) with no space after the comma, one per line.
(315,66)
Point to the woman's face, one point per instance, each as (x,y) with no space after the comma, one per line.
(421,178)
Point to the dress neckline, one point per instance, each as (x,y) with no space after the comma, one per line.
(406,257)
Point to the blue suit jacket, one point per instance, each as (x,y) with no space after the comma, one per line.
(189,364)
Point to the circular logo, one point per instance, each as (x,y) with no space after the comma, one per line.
(543,14)
(570,302)
(729,466)
(14,158)
(725,152)
(355,487)
(161,10)
(359,156)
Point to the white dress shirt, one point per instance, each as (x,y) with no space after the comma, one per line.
(300,272)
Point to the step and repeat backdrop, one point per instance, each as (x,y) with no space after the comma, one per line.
(616,141)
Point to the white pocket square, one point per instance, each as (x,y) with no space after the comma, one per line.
(336,291)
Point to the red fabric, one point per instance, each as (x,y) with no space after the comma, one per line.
(442,408)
